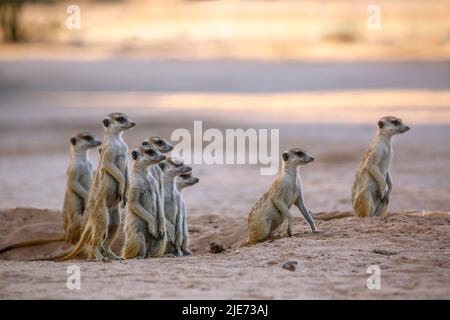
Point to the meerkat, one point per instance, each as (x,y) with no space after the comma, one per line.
(79,177)
(155,177)
(174,227)
(372,183)
(107,192)
(272,209)
(142,239)
(183,181)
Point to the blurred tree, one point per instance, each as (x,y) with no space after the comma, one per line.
(10,18)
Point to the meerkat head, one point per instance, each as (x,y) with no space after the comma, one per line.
(117,122)
(391,126)
(174,167)
(186,180)
(297,156)
(84,141)
(145,156)
(162,145)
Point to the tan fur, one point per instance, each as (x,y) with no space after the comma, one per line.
(183,181)
(372,183)
(79,176)
(272,209)
(107,192)
(142,239)
(172,210)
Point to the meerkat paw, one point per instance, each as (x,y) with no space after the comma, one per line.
(289,232)
(187,252)
(169,255)
(316,231)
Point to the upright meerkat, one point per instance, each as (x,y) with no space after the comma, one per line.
(142,236)
(155,177)
(272,209)
(107,191)
(372,184)
(79,176)
(174,228)
(183,181)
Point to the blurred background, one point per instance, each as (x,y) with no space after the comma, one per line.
(313,69)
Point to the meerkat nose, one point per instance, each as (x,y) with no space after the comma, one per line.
(406,128)
(132,124)
(312,159)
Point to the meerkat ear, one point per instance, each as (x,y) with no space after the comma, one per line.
(106,122)
(162,165)
(134,154)
(285,156)
(73,141)
(380,124)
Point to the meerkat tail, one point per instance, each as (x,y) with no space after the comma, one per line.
(30,243)
(75,251)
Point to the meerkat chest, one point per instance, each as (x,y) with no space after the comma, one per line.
(386,159)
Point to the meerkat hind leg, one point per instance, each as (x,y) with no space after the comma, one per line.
(113,230)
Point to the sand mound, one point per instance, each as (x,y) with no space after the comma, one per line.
(410,248)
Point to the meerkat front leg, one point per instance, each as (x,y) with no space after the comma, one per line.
(141,212)
(78,189)
(300,204)
(185,242)
(127,185)
(284,210)
(114,172)
(375,172)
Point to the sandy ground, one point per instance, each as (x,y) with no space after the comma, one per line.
(328,109)
(331,264)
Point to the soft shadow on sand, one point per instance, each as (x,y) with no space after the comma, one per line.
(411,249)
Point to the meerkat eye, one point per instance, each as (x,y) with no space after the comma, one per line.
(159,142)
(121,119)
(151,153)
(300,154)
(88,138)
(395,122)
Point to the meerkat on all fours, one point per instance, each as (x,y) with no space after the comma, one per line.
(272,209)
(79,176)
(107,192)
(142,236)
(372,184)
(183,181)
(174,228)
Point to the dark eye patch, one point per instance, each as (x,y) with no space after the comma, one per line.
(121,119)
(159,142)
(185,176)
(300,154)
(145,143)
(395,122)
(88,138)
(150,152)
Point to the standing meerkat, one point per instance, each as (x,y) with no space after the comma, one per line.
(372,184)
(107,191)
(142,236)
(155,176)
(184,181)
(79,176)
(272,209)
(174,228)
